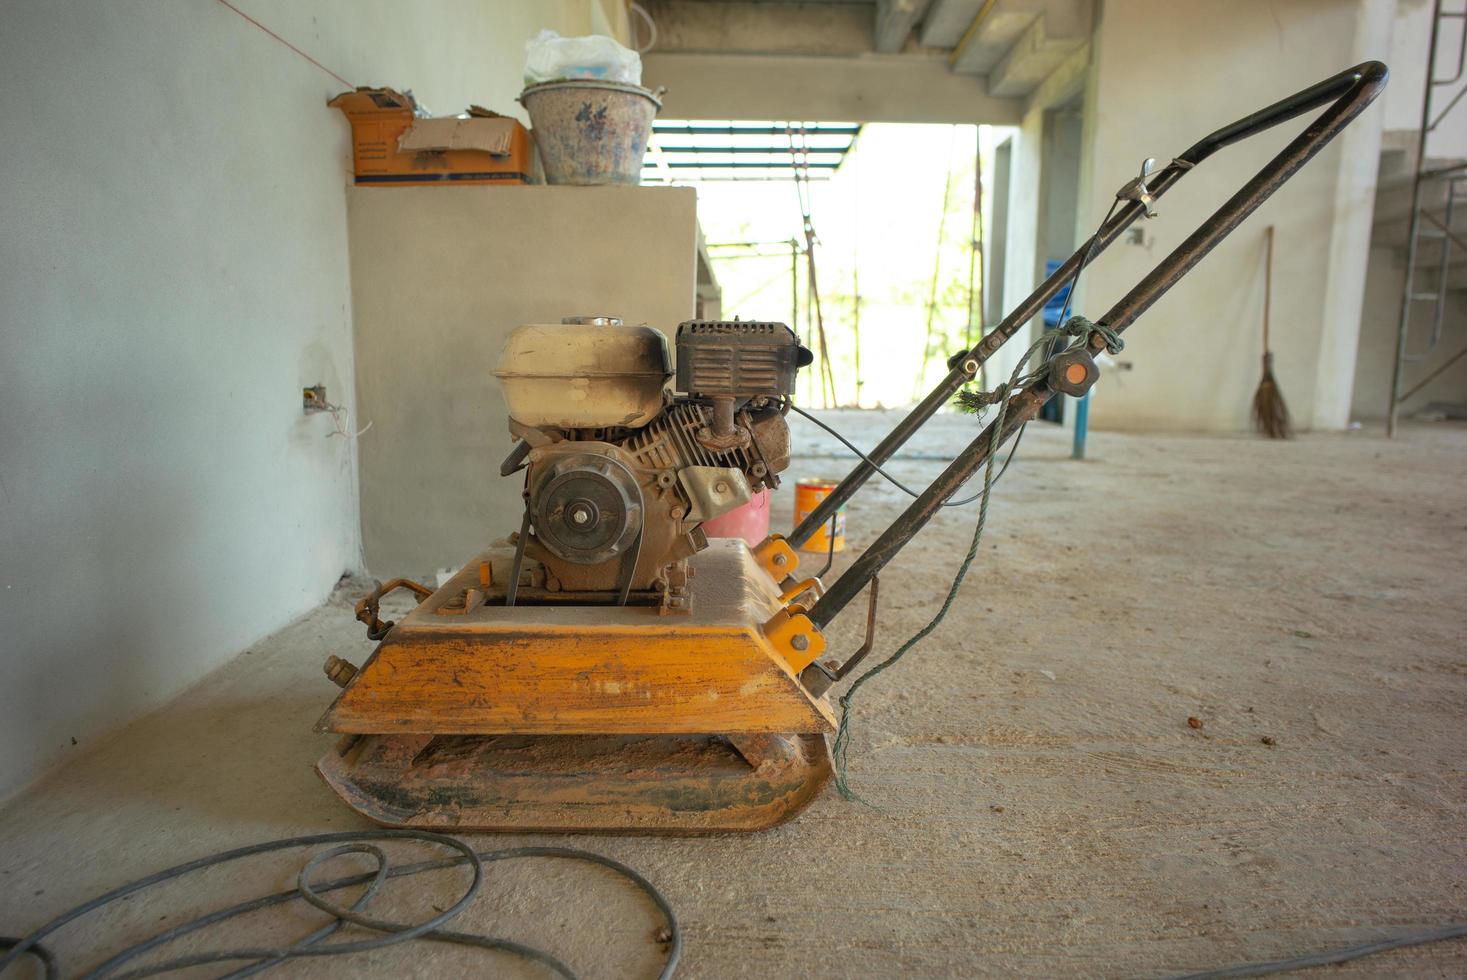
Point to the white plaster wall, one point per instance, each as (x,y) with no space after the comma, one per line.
(173,271)
(1196,353)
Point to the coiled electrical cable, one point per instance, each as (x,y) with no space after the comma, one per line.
(260,959)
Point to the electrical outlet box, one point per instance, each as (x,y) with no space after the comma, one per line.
(313,399)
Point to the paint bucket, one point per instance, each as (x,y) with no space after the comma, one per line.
(750,522)
(808,494)
(591,132)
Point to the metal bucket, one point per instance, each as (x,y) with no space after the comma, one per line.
(591,132)
(808,495)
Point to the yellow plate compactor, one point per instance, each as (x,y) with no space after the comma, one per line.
(607,668)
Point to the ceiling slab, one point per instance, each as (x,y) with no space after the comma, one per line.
(907,88)
(1006,47)
(753,27)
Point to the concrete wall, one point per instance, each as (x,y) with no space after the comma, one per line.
(439,278)
(1197,351)
(173,272)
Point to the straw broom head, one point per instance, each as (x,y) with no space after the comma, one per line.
(1270,414)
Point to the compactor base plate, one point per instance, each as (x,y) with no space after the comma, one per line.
(653,784)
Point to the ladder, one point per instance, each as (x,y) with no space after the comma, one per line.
(1425,225)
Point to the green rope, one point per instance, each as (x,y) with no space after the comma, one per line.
(843,734)
(1078,326)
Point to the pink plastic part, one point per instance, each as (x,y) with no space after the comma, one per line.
(750,522)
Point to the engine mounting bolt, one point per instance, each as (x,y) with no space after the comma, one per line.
(780,559)
(721,486)
(800,642)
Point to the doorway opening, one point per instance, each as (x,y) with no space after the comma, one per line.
(866,239)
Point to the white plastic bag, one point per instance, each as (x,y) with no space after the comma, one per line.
(550,57)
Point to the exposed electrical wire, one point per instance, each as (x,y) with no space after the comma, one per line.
(339,415)
(226,3)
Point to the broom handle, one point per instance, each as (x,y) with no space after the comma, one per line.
(1267,284)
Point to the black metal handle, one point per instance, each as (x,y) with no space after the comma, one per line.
(1347,94)
(1356,88)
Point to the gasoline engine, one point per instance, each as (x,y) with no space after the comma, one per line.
(621,472)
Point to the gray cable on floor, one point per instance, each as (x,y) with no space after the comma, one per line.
(1330,958)
(350,842)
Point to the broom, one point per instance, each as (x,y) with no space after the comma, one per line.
(1270,414)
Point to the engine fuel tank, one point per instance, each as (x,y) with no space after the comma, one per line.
(584,373)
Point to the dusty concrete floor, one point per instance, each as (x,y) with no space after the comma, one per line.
(1039,805)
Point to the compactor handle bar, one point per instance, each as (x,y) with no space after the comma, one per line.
(1346,94)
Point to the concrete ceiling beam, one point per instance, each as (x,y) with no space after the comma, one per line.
(744,27)
(946,21)
(906,88)
(894,22)
(1039,50)
(1001,24)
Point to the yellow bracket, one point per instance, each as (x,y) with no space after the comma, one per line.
(776,557)
(799,588)
(795,638)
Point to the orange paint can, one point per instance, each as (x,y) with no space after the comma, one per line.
(808,495)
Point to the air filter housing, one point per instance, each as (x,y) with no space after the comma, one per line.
(742,358)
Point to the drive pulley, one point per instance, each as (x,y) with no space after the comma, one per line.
(588,508)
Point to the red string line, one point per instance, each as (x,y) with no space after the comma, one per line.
(283,41)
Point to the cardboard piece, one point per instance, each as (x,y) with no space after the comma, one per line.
(492,136)
(391,146)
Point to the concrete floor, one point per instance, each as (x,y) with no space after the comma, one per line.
(1039,805)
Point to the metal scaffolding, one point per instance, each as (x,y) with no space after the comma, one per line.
(1436,215)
